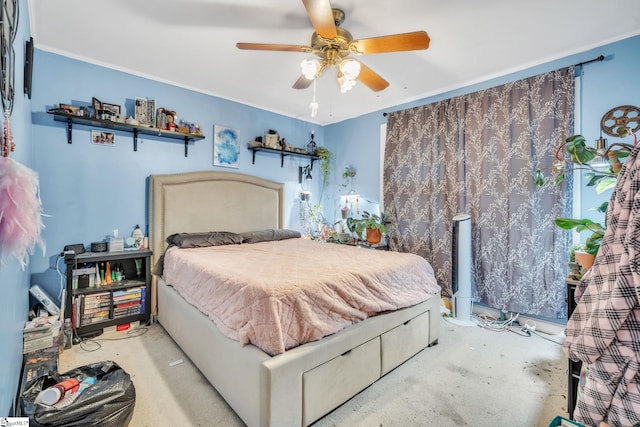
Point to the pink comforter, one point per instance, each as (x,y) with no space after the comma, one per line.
(278,295)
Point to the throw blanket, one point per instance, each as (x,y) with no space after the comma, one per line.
(278,295)
(604,329)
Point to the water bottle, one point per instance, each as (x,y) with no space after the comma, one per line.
(68,334)
(137,236)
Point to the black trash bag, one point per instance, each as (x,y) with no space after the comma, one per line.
(109,402)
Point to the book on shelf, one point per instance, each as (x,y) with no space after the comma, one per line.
(127,295)
(96,313)
(92,310)
(123,315)
(94,320)
(93,304)
(143,299)
(127,304)
(127,308)
(102,296)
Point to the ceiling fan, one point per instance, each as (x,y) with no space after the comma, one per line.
(333,45)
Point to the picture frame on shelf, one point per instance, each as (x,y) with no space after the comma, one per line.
(271,141)
(115,109)
(107,139)
(111,112)
(96,104)
(226,147)
(145,111)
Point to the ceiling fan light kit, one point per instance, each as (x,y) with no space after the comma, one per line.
(333,45)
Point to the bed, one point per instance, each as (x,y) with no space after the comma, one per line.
(300,385)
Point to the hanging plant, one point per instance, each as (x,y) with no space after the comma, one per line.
(325,162)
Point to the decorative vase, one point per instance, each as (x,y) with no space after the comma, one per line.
(373,236)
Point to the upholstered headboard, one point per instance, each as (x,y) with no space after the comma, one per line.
(211,201)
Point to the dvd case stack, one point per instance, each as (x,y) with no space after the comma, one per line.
(128,302)
(40,333)
(95,308)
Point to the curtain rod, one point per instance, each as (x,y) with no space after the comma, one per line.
(598,59)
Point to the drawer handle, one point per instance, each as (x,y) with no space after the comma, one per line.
(407,322)
(345,353)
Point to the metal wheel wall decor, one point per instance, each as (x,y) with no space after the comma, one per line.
(621,121)
(8,27)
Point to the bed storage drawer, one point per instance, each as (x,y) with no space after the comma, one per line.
(403,341)
(336,381)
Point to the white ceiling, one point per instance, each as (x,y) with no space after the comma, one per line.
(191,43)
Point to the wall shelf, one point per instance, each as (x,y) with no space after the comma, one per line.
(283,154)
(125,127)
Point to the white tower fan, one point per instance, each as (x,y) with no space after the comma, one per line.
(461,270)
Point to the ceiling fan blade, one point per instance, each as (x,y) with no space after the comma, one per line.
(394,43)
(302,83)
(278,47)
(371,79)
(321,17)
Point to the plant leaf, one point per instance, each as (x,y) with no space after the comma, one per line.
(603,207)
(571,223)
(606,183)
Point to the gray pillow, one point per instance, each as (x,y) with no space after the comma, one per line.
(202,240)
(269,235)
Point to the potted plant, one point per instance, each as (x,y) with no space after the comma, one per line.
(576,154)
(574,267)
(374,225)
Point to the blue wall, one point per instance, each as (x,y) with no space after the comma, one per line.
(13,280)
(89,190)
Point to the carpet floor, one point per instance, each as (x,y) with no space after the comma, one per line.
(473,377)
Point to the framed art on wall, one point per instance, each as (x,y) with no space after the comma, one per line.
(99,137)
(226,147)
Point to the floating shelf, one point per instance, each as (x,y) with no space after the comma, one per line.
(125,127)
(283,154)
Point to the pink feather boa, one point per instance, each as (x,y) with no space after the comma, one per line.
(20,211)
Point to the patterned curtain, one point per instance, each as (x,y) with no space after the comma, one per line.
(477,154)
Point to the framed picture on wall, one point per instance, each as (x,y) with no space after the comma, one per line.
(99,137)
(226,147)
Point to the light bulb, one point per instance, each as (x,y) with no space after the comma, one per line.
(346,84)
(350,69)
(310,68)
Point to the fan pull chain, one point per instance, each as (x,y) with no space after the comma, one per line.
(314,105)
